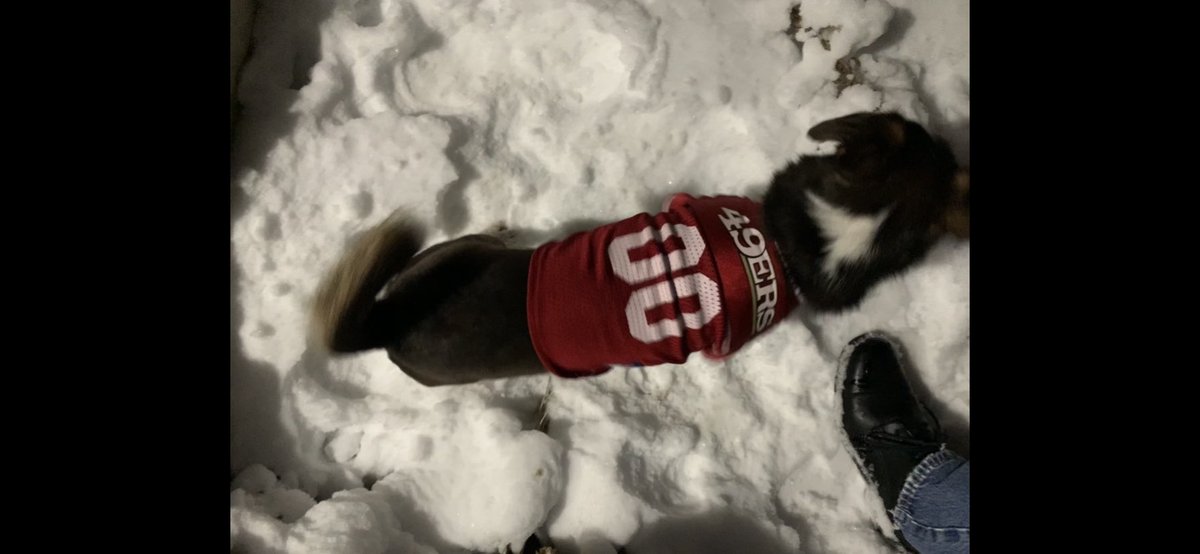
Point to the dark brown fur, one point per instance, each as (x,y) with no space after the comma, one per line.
(883,161)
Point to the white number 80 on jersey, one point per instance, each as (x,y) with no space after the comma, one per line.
(651,296)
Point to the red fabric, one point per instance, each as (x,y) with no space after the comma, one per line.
(649,290)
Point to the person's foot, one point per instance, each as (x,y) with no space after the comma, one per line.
(889,429)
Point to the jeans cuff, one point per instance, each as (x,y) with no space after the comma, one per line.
(902,515)
(916,479)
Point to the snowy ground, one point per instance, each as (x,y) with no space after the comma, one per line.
(550,116)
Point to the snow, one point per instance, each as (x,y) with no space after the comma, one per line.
(549,116)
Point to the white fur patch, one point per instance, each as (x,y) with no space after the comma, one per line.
(850,236)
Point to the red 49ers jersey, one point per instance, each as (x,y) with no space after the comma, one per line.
(698,277)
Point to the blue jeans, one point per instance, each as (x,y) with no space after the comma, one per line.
(934,510)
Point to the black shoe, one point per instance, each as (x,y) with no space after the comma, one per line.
(890,430)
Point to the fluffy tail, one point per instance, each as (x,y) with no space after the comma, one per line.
(344,299)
